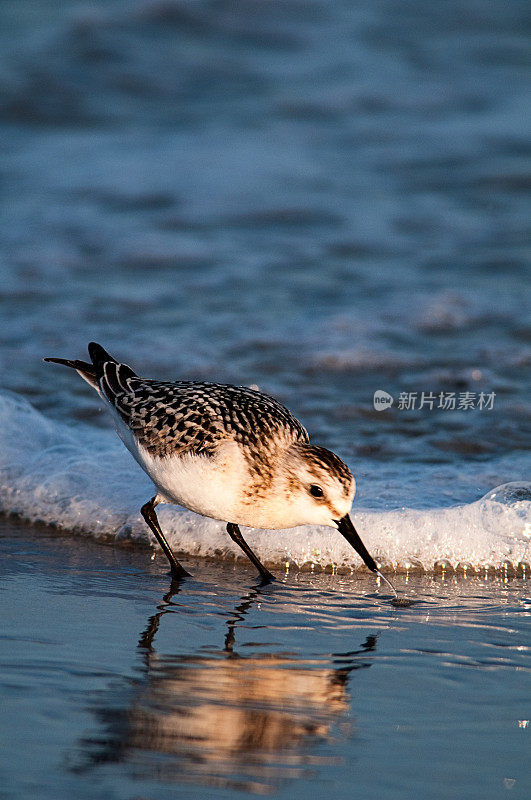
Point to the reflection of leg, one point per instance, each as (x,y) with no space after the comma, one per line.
(235,534)
(345,663)
(148,512)
(239,615)
(146,639)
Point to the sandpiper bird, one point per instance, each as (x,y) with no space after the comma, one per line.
(227,452)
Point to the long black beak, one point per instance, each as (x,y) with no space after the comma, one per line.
(348,530)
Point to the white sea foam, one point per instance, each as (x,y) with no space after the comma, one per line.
(83,480)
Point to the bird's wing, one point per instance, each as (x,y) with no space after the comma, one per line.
(175,418)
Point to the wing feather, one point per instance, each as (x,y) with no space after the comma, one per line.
(174,418)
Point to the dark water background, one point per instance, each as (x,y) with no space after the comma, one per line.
(325,199)
(322,198)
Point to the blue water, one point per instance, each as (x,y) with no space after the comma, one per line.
(320,198)
(115,686)
(324,199)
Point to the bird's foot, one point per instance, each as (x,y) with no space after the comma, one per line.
(266,578)
(178,574)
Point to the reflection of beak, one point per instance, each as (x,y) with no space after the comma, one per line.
(349,532)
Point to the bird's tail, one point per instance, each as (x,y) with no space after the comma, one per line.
(89,372)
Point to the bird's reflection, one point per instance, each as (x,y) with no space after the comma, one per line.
(224,719)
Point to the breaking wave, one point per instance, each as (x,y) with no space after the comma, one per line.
(80,479)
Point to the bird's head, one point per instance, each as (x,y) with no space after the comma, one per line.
(319,485)
(320,489)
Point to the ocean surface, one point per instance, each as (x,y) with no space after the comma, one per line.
(323,199)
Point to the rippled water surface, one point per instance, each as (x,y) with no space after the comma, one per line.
(321,198)
(117,685)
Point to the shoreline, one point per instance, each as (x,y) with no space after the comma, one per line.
(231,558)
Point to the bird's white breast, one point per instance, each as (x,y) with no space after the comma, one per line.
(208,485)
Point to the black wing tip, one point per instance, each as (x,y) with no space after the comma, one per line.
(85,369)
(98,354)
(65,361)
(101,364)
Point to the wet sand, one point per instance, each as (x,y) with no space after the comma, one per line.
(118,685)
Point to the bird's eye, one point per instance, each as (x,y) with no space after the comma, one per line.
(316,491)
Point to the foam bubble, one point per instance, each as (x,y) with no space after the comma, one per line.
(83,480)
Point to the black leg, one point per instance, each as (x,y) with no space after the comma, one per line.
(236,536)
(148,512)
